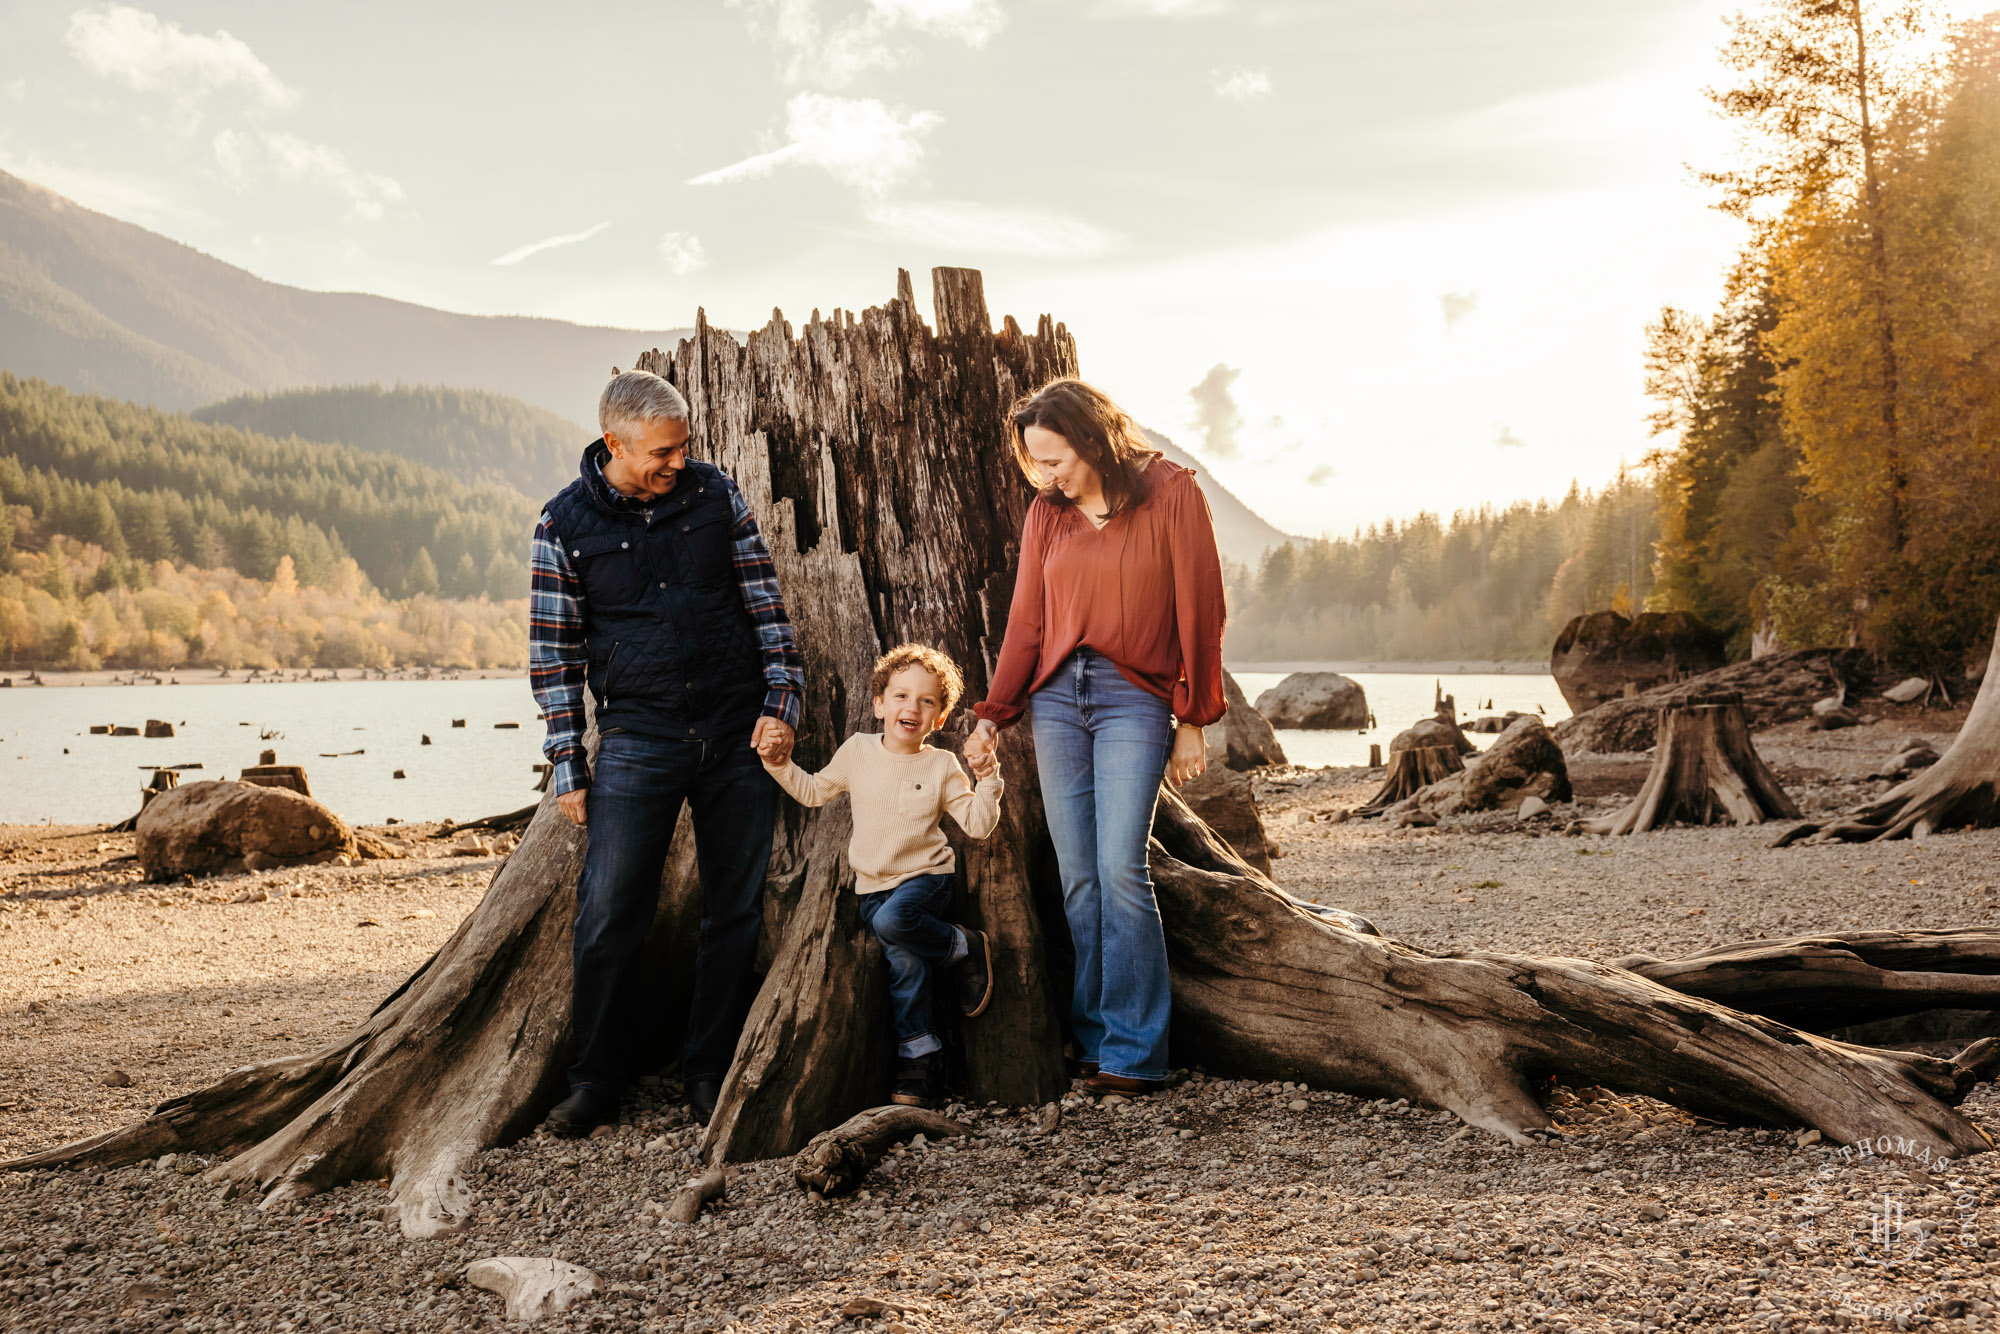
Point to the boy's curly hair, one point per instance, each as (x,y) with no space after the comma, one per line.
(950,681)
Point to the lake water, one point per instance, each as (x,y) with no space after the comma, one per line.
(1398,699)
(52,768)
(467,772)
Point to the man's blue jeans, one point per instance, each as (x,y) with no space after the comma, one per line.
(912,922)
(1102,745)
(636,791)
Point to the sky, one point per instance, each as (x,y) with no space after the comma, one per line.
(1362,259)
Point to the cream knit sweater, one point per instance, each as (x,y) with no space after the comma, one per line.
(898,800)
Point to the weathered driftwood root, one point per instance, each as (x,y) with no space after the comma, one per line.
(534,1285)
(1960,791)
(690,1199)
(836,1160)
(1828,982)
(465,1054)
(1410,771)
(1705,771)
(1264,989)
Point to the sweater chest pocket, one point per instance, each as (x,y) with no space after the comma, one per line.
(608,568)
(916,798)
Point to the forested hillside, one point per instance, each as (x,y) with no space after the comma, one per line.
(477,437)
(121,526)
(1832,472)
(1483,584)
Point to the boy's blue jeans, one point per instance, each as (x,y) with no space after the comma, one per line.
(1102,745)
(910,921)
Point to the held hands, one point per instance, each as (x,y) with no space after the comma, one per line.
(1190,757)
(980,750)
(573,804)
(772,741)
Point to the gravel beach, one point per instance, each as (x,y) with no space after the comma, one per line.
(1218,1204)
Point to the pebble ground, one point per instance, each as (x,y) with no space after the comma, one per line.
(1216,1205)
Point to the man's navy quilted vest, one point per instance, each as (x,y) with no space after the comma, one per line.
(673,651)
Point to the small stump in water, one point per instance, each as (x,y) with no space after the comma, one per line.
(1705,771)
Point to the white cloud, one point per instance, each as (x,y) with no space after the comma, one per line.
(1216,413)
(246,155)
(835,54)
(1237,84)
(1504,438)
(17,91)
(1457,305)
(978,229)
(1164,9)
(682,252)
(1321,475)
(856,140)
(519,253)
(155,55)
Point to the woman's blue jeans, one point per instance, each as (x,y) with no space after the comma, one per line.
(912,922)
(1102,745)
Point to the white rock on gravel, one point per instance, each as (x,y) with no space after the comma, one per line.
(534,1286)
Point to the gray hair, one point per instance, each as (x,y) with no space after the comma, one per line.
(634,398)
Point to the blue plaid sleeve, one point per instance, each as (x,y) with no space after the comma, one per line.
(558,656)
(757,578)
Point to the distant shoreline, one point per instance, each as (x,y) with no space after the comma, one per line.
(1453,667)
(209,676)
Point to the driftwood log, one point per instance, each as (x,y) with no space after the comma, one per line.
(835,1160)
(1705,770)
(873,449)
(1962,790)
(1777,688)
(1410,771)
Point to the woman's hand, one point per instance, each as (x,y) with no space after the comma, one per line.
(979,747)
(1190,757)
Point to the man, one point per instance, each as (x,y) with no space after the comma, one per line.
(651,584)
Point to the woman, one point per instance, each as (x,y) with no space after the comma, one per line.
(1114,649)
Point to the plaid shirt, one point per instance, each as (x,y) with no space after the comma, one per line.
(559,653)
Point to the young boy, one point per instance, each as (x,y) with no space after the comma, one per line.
(904,870)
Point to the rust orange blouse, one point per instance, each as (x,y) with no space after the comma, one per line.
(1145,591)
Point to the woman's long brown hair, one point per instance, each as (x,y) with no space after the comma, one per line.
(1097,429)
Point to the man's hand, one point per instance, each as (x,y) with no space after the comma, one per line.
(1190,757)
(773,741)
(573,803)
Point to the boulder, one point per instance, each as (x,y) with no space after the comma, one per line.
(1222,797)
(1776,689)
(1903,692)
(1830,714)
(1243,739)
(1321,700)
(1913,754)
(1602,656)
(212,826)
(1525,762)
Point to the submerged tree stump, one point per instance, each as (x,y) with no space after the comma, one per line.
(874,451)
(1410,771)
(1960,791)
(1705,770)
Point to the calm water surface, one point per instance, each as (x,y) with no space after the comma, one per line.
(467,772)
(52,768)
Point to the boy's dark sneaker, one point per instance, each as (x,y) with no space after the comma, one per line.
(914,1087)
(973,975)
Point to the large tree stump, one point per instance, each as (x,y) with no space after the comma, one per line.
(1962,790)
(1705,771)
(873,450)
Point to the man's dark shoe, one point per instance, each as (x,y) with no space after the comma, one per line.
(703,1090)
(583,1111)
(914,1086)
(973,975)
(1099,1084)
